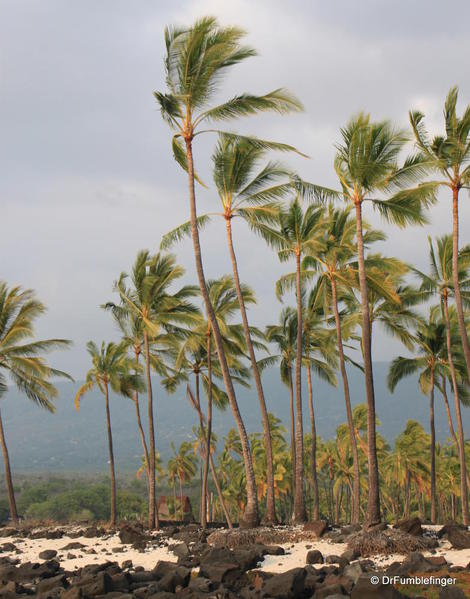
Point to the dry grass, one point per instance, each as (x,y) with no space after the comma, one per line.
(369,544)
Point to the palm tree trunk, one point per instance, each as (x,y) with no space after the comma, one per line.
(292,426)
(251,516)
(8,477)
(270,516)
(112,519)
(455,278)
(209,407)
(219,493)
(151,516)
(206,460)
(356,499)
(316,498)
(461,444)
(449,415)
(433,449)
(373,500)
(181,499)
(300,514)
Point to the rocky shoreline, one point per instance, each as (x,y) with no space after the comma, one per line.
(314,561)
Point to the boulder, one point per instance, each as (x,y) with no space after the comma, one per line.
(329,591)
(220,572)
(318,527)
(458,538)
(411,526)
(451,593)
(132,535)
(73,545)
(288,585)
(353,571)
(314,557)
(47,554)
(364,589)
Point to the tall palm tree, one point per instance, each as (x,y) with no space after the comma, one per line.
(284,337)
(22,361)
(449,155)
(159,314)
(440,280)
(297,232)
(367,166)
(111,367)
(430,341)
(249,192)
(196,60)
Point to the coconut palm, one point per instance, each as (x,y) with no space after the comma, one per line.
(430,342)
(440,281)
(449,155)
(367,166)
(196,60)
(159,313)
(22,361)
(111,367)
(249,192)
(296,233)
(185,466)
(284,337)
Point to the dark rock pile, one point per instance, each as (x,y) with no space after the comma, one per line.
(207,571)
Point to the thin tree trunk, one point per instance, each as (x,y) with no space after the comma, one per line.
(251,516)
(300,514)
(206,460)
(455,278)
(433,449)
(449,415)
(209,407)
(151,516)
(219,493)
(356,499)
(461,444)
(270,516)
(112,519)
(8,478)
(316,498)
(292,427)
(181,499)
(373,500)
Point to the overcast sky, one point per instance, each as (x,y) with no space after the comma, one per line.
(86,173)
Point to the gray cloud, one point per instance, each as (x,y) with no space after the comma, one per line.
(86,174)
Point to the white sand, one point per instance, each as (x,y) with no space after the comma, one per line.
(102,545)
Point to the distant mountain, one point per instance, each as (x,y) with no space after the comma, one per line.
(76,442)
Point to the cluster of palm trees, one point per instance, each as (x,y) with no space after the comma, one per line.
(342,287)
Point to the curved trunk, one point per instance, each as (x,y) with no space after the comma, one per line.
(433,449)
(356,499)
(316,498)
(300,514)
(112,519)
(373,500)
(292,426)
(461,443)
(270,517)
(152,503)
(8,478)
(251,516)
(455,278)
(449,415)
(219,493)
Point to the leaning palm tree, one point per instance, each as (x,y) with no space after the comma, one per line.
(449,155)
(196,60)
(430,342)
(296,233)
(111,368)
(440,281)
(145,294)
(249,192)
(367,166)
(22,361)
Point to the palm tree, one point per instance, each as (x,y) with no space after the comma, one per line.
(440,280)
(248,193)
(449,155)
(158,313)
(297,233)
(184,463)
(111,367)
(196,59)
(367,166)
(22,360)
(430,341)
(284,336)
